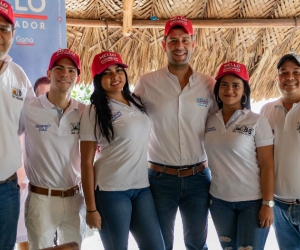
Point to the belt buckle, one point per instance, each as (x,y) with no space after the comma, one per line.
(296,201)
(63,193)
(179,170)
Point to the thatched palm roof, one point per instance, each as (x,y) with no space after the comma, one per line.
(257,43)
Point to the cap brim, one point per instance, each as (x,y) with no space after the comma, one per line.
(8,19)
(231,73)
(65,56)
(112,63)
(286,57)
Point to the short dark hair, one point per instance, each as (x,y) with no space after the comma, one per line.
(40,81)
(244,104)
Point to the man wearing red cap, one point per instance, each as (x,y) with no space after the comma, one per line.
(178,100)
(284,118)
(52,160)
(15,87)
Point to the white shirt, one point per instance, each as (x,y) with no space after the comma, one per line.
(51,157)
(286,128)
(121,165)
(14,88)
(232,157)
(177,116)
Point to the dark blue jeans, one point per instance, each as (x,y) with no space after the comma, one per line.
(189,194)
(287,225)
(131,210)
(237,224)
(9,213)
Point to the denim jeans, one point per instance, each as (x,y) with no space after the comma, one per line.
(287,225)
(131,210)
(9,213)
(237,224)
(191,195)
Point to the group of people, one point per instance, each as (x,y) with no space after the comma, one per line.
(129,161)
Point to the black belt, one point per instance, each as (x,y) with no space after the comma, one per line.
(13,177)
(289,201)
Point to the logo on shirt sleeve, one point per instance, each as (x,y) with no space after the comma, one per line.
(243,129)
(211,129)
(17,93)
(116,116)
(202,101)
(75,128)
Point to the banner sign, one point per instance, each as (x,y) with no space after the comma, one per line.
(40,31)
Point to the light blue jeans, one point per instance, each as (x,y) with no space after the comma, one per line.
(131,210)
(191,195)
(9,213)
(237,224)
(287,225)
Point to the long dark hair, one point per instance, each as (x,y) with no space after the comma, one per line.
(100,102)
(243,103)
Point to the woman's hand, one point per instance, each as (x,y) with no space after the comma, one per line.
(266,216)
(93,220)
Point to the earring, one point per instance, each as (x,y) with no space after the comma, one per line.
(218,99)
(246,99)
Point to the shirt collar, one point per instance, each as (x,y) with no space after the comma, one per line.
(192,77)
(236,113)
(47,104)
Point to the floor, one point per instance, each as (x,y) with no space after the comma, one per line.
(93,242)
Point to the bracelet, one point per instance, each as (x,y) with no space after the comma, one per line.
(89,211)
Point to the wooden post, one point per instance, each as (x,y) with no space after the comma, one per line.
(127,17)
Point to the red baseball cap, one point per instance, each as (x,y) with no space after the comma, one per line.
(234,68)
(105,59)
(65,53)
(7,12)
(179,21)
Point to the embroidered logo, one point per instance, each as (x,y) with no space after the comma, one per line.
(17,93)
(243,129)
(211,129)
(43,127)
(116,116)
(202,101)
(298,127)
(75,128)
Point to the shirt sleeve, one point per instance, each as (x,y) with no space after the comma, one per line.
(21,129)
(87,124)
(263,136)
(30,92)
(139,90)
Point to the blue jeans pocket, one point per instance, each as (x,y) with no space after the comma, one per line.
(154,174)
(204,172)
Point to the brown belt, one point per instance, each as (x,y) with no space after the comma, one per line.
(13,177)
(183,171)
(61,193)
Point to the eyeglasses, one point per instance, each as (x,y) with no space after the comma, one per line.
(6,29)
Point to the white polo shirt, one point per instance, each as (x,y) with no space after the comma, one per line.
(51,157)
(286,128)
(121,165)
(231,151)
(177,116)
(14,88)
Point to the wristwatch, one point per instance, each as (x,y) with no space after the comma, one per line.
(269,203)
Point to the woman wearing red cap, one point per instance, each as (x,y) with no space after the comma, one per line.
(116,185)
(239,145)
